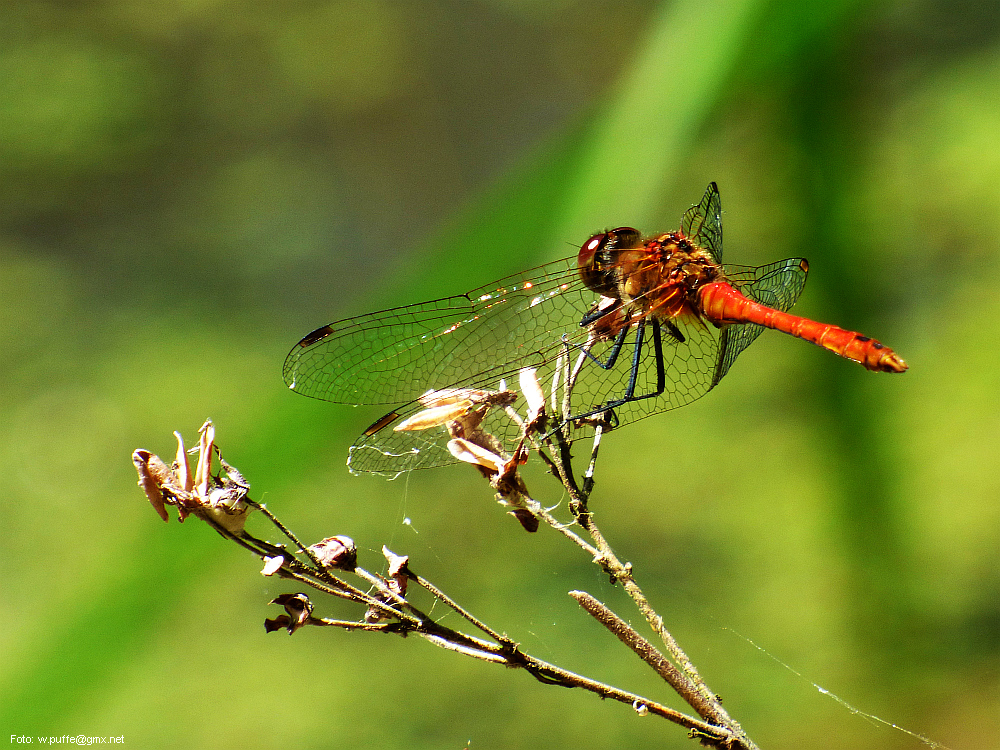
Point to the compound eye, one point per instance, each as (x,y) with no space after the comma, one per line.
(598,256)
(600,252)
(591,247)
(599,246)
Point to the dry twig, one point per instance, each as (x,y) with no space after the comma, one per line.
(222,500)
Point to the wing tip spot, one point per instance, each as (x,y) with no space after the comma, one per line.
(381,423)
(318,335)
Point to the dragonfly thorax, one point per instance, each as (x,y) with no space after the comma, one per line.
(659,276)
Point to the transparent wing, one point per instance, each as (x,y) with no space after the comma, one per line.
(689,356)
(777,285)
(395,355)
(703,223)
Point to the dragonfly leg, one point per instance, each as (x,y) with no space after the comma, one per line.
(629,395)
(661,376)
(616,349)
(640,333)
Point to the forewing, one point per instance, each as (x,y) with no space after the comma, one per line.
(395,355)
(703,223)
(776,285)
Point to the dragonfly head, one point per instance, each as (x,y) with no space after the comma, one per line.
(598,258)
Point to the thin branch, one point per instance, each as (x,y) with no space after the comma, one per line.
(389,610)
(555,675)
(648,653)
(535,507)
(694,690)
(706,701)
(447,600)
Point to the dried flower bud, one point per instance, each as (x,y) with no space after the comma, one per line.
(448,396)
(471,453)
(272,565)
(299,609)
(526,518)
(278,623)
(533,395)
(397,574)
(434,416)
(212,498)
(183,470)
(225,506)
(153,474)
(461,410)
(336,552)
(397,563)
(206,446)
(395,581)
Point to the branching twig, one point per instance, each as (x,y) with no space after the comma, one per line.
(221,500)
(686,680)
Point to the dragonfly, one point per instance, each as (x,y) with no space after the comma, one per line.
(629,327)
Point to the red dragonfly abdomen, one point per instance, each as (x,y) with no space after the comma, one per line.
(721,303)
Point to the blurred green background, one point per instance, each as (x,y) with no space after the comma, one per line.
(187,187)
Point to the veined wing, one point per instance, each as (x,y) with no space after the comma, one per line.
(395,355)
(703,223)
(776,285)
(689,354)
